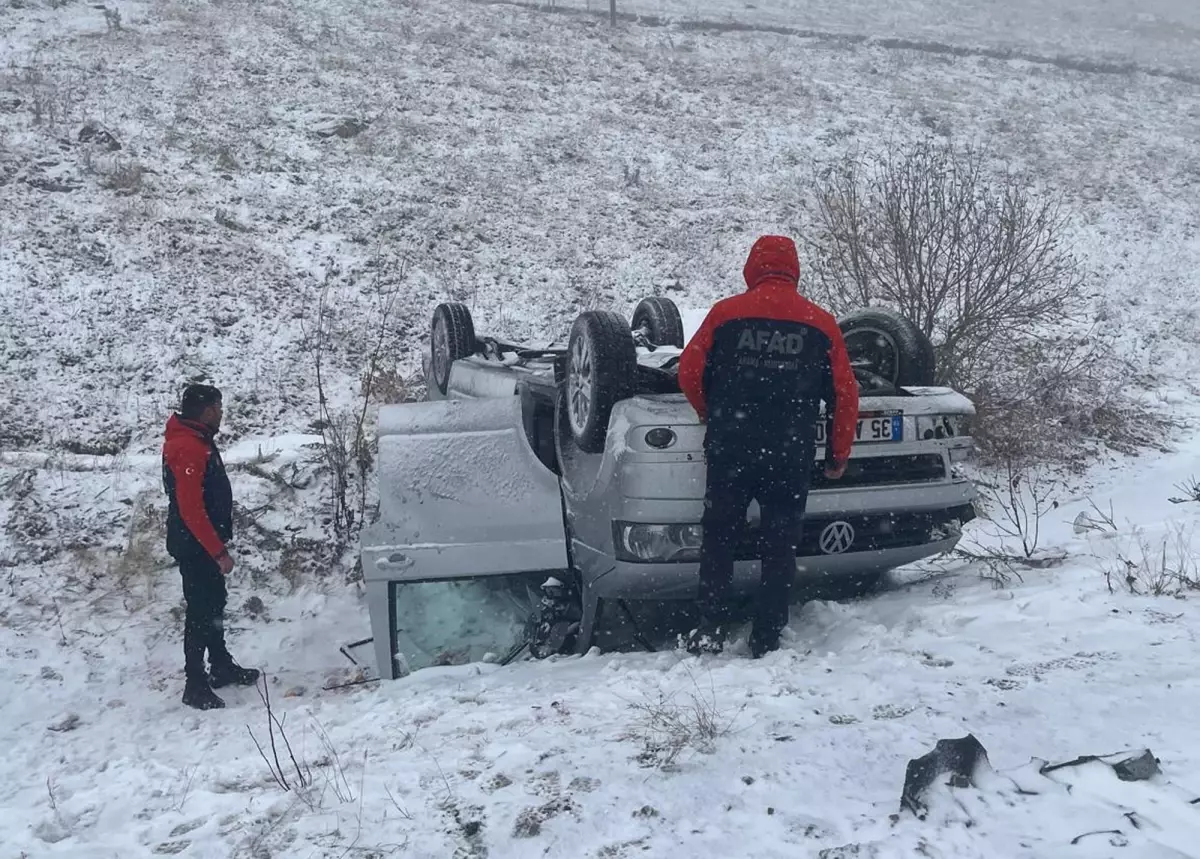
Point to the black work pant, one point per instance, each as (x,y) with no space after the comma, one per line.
(779,480)
(204,624)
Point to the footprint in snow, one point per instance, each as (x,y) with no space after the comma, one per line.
(1005,683)
(583,784)
(935,661)
(1076,662)
(544,784)
(184,828)
(529,822)
(623,849)
(890,711)
(497,782)
(804,826)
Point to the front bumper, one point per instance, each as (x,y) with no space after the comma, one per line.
(682,581)
(882,541)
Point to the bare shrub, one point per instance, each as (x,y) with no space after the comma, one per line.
(53,98)
(304,559)
(1189,489)
(1055,398)
(124,177)
(1096,521)
(348,449)
(335,772)
(1167,568)
(389,384)
(981,262)
(61,823)
(403,811)
(296,776)
(666,727)
(1014,508)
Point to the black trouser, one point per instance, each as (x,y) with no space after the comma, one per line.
(204,624)
(779,480)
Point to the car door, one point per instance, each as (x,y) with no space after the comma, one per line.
(469,524)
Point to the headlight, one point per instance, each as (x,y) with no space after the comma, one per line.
(660,438)
(642,543)
(943,426)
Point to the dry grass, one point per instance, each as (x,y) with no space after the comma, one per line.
(1013,509)
(667,726)
(144,541)
(1169,566)
(124,177)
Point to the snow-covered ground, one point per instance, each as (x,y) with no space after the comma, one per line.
(533,164)
(807,750)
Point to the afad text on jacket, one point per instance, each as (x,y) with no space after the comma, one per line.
(762,362)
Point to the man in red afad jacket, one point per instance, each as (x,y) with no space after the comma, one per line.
(199,526)
(756,372)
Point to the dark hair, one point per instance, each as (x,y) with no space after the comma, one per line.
(197,398)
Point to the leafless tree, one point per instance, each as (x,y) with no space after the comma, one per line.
(348,444)
(981,261)
(974,260)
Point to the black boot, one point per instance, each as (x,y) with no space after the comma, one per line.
(232,674)
(763,643)
(199,695)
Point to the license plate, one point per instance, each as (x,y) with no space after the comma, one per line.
(872,429)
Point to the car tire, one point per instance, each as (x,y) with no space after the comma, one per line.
(889,345)
(660,319)
(601,368)
(452,336)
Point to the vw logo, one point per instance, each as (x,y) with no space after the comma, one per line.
(837,537)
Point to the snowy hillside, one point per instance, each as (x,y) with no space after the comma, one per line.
(183,181)
(530,164)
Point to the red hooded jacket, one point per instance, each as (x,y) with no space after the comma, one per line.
(762,361)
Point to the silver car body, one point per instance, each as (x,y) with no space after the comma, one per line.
(467,491)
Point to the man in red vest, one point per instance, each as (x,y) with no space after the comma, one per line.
(199,525)
(756,373)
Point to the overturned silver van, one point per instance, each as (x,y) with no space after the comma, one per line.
(536,491)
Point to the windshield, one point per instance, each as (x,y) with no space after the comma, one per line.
(456,621)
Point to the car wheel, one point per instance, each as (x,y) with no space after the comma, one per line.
(889,345)
(601,366)
(659,320)
(452,336)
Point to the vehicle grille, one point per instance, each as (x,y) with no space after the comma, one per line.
(871,533)
(884,471)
